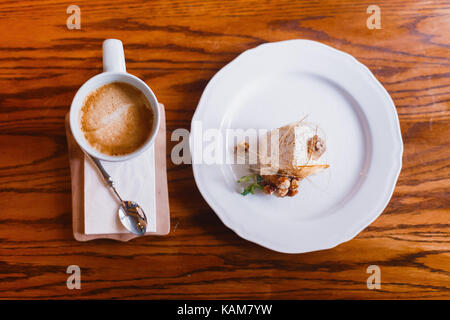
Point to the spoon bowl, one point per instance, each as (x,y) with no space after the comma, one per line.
(133,217)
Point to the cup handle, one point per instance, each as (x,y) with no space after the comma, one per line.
(113,56)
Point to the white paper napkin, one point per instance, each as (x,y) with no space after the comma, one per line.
(134,180)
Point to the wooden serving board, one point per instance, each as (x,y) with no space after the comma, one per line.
(76,159)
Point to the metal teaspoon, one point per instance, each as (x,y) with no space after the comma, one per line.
(130,213)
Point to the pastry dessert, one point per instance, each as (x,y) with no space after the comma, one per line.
(285,156)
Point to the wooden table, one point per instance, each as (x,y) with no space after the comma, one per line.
(176,47)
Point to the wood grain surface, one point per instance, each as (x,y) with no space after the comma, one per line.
(176,47)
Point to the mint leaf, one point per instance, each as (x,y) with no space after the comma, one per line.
(256,179)
(248,178)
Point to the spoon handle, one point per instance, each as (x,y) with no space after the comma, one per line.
(102,170)
(109,181)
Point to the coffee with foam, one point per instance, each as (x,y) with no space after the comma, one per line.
(116,119)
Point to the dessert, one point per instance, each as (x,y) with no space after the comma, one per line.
(285,156)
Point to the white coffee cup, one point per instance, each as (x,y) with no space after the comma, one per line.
(113,71)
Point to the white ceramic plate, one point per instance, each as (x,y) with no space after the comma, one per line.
(278,83)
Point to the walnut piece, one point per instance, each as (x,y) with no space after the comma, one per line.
(280,185)
(316,147)
(269,189)
(281,192)
(244,146)
(295,183)
(278,181)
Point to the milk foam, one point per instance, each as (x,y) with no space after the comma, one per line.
(116,119)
